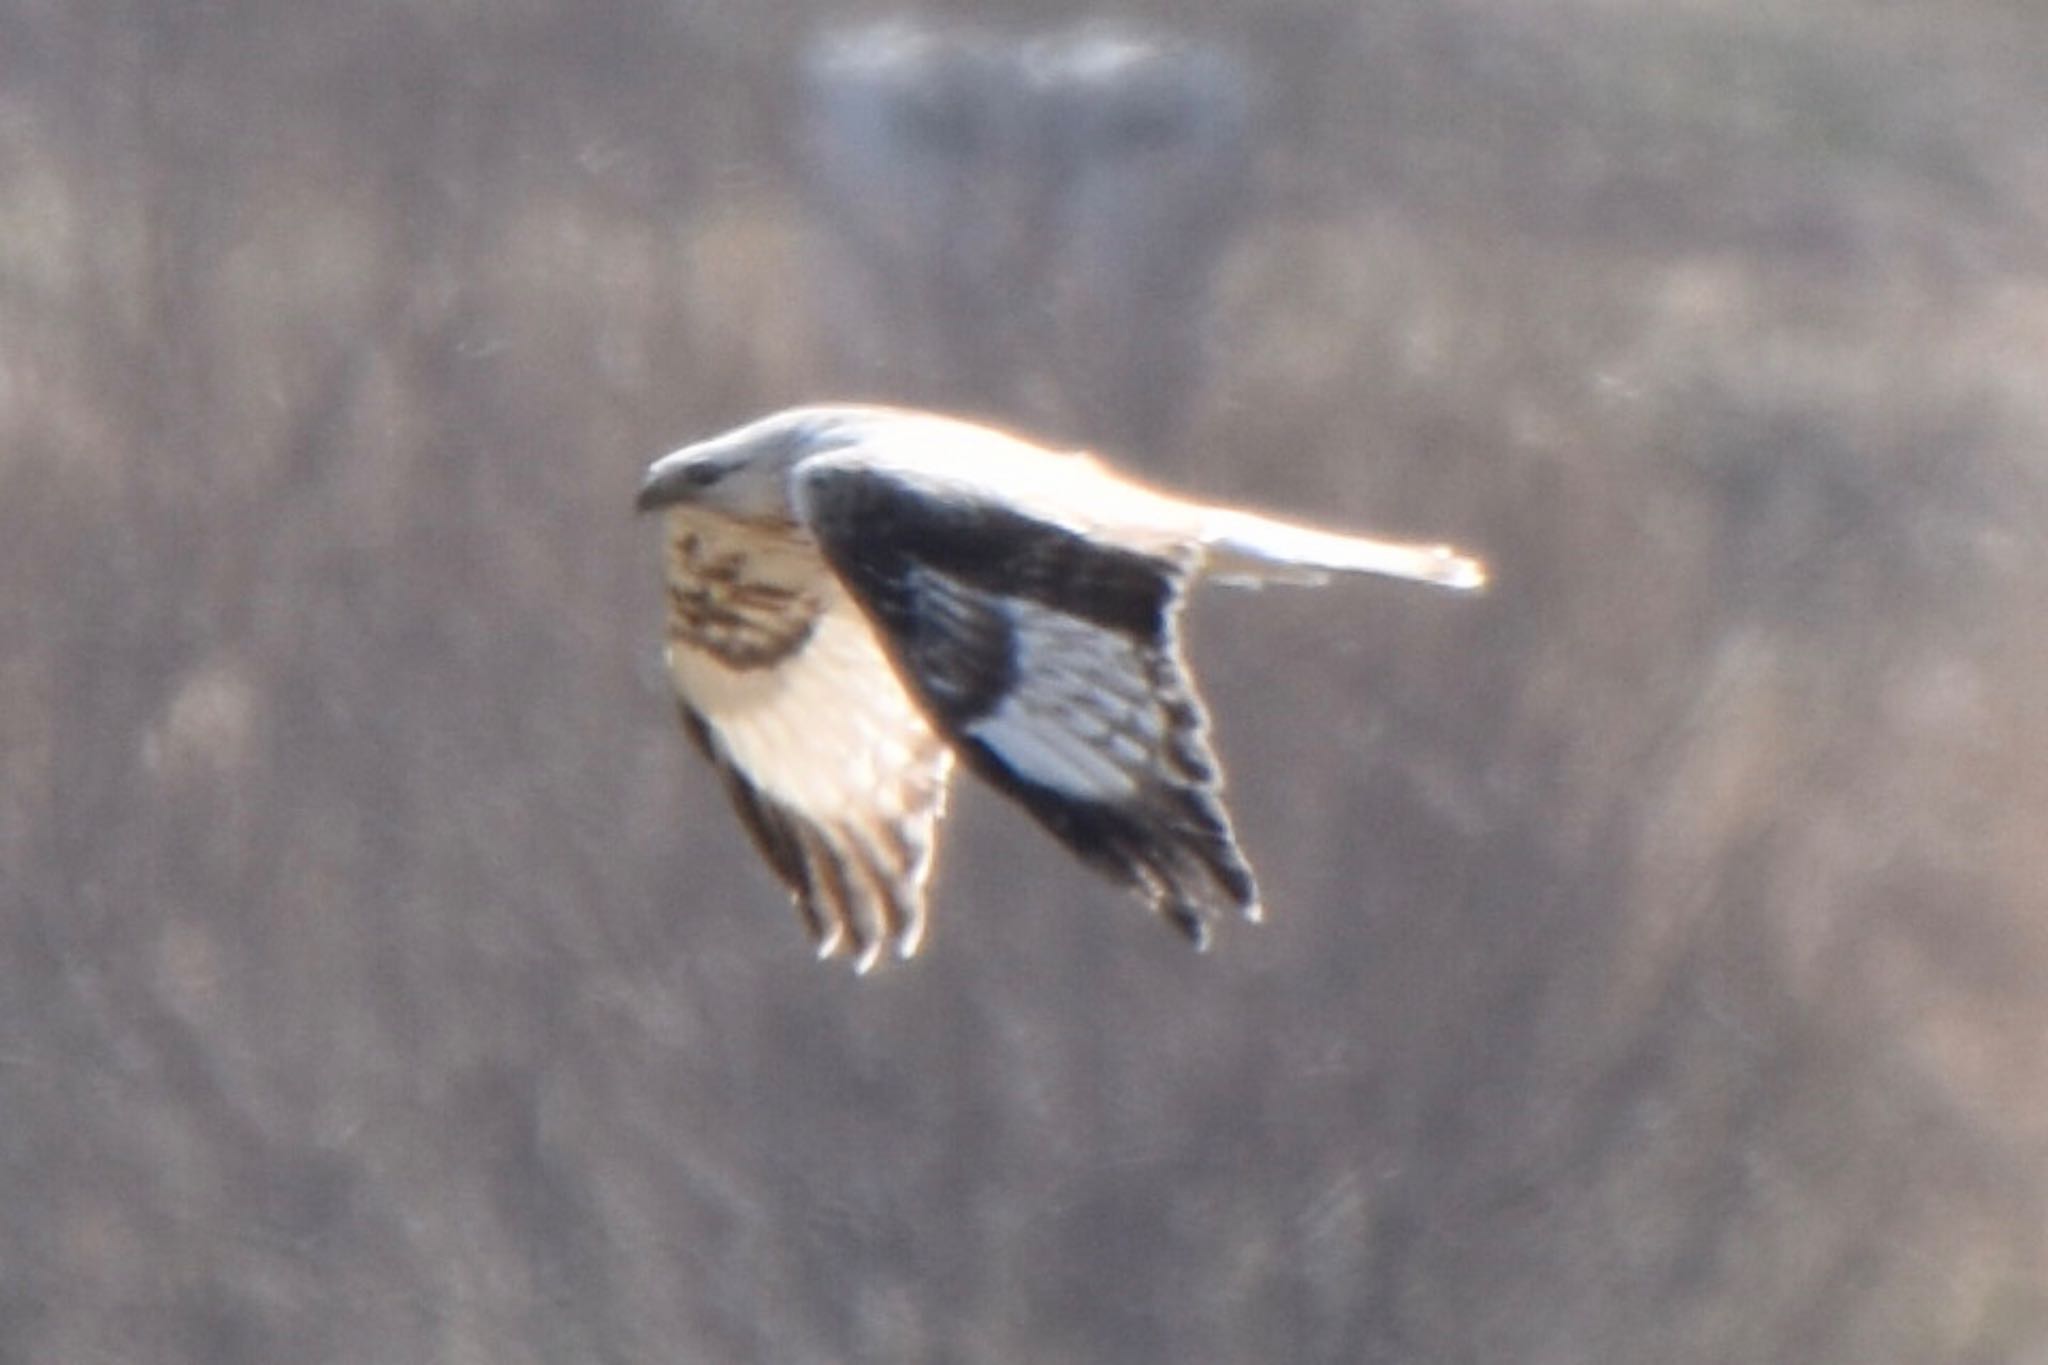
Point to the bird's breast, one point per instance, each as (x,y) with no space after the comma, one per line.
(747,594)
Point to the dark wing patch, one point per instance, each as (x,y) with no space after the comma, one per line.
(1053,662)
(857,889)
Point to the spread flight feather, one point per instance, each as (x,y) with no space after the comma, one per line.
(857,595)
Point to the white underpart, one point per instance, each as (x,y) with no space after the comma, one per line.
(1079,719)
(828,732)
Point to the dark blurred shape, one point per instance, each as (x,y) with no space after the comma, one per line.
(1025,228)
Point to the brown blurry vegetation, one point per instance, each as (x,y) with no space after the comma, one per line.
(1658,958)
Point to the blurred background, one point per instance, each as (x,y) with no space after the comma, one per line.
(1657,965)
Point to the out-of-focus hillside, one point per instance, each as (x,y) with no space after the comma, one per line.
(1657,966)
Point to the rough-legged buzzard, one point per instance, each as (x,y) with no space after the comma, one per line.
(857,595)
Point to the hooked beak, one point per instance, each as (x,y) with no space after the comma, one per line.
(672,479)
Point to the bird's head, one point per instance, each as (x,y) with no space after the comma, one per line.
(744,473)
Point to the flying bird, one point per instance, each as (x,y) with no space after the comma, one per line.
(860,596)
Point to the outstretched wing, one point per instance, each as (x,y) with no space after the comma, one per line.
(1052,660)
(835,773)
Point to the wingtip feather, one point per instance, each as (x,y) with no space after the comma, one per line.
(826,945)
(1247,546)
(1458,571)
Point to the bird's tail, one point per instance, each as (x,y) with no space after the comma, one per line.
(1245,548)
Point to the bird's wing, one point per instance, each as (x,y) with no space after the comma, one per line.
(835,773)
(1051,658)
